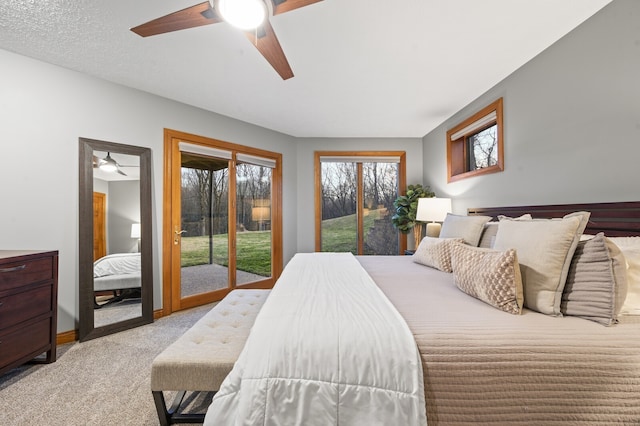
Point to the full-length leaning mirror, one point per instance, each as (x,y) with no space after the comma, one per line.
(115,259)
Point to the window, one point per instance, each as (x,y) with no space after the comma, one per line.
(355,192)
(475,146)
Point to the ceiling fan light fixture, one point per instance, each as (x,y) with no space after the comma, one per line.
(108,164)
(243,14)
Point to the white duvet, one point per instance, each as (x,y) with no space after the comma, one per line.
(327,348)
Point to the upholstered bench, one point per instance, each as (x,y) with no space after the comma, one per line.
(201,358)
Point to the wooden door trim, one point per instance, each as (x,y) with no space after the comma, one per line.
(171,299)
(100,231)
(167,219)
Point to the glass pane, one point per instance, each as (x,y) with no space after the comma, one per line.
(253,223)
(380,190)
(205,233)
(483,148)
(339,197)
(116,216)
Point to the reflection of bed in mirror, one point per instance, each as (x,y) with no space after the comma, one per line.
(116,276)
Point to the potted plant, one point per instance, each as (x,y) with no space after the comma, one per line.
(406,207)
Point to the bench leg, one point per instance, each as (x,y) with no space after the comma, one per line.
(161,407)
(171,416)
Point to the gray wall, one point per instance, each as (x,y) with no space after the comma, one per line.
(44,109)
(123,209)
(572,122)
(306,149)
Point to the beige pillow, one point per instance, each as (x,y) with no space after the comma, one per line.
(488,237)
(545,248)
(630,247)
(469,228)
(597,281)
(525,216)
(435,252)
(489,275)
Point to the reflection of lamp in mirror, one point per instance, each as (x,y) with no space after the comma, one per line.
(261,211)
(135,233)
(433,210)
(260,214)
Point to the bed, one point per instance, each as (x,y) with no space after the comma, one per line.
(479,363)
(117,274)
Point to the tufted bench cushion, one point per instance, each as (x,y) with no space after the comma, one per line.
(201,358)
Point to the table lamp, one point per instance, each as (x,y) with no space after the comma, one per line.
(433,210)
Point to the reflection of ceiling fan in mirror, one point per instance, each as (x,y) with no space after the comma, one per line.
(109,165)
(252,16)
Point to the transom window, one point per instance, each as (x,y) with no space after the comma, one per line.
(475,146)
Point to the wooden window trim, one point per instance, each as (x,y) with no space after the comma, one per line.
(457,149)
(402,186)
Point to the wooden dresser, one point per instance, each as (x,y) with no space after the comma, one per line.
(28,306)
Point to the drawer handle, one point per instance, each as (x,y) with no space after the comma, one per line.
(15,268)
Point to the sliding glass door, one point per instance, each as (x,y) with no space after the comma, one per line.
(204,239)
(354,202)
(253,216)
(224,222)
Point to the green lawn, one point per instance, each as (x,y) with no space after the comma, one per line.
(254,247)
(253,251)
(339,234)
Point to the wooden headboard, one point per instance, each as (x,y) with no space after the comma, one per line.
(614,219)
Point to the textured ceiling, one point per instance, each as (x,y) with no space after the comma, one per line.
(363,68)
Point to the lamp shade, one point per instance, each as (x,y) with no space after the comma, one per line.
(135,230)
(433,209)
(260,214)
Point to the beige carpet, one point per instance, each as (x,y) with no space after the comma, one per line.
(101,382)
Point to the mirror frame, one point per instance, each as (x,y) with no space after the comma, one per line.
(87,329)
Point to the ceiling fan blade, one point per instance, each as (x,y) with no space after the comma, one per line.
(121,172)
(268,45)
(280,6)
(194,16)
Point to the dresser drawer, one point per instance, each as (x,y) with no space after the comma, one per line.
(25,341)
(16,274)
(20,307)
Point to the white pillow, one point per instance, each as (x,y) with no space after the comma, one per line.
(630,247)
(545,248)
(469,228)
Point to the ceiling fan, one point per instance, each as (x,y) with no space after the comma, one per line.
(259,31)
(108,164)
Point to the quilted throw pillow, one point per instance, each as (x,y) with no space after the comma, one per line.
(596,285)
(489,275)
(435,252)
